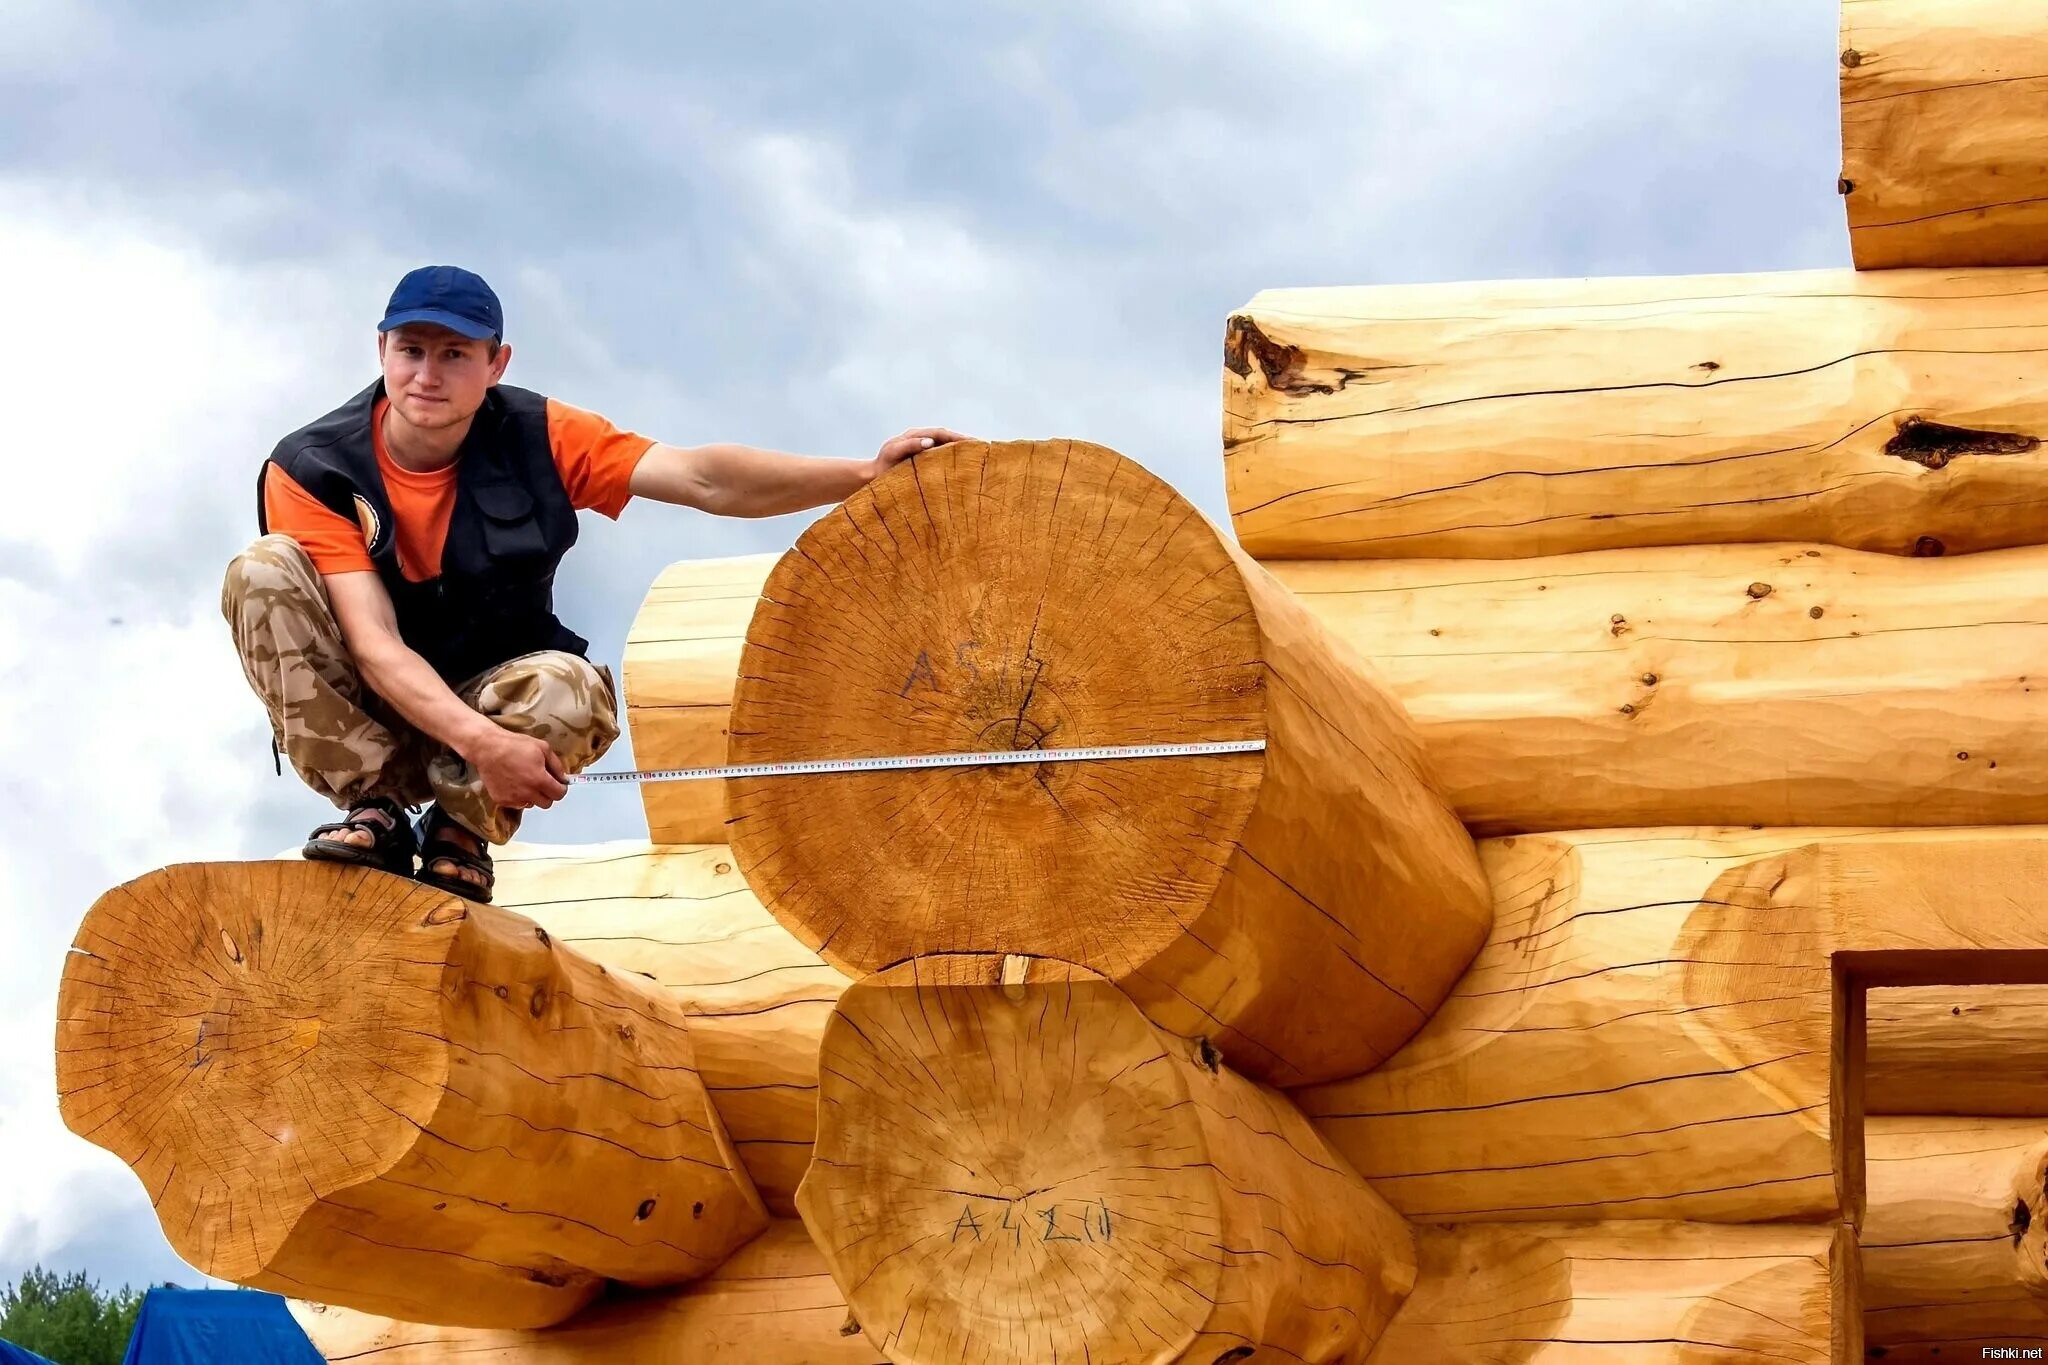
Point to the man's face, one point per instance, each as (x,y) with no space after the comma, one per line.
(435,377)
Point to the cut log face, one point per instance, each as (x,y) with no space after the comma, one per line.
(340,1084)
(1305,907)
(1629,1293)
(1705,685)
(1026,1170)
(771,1304)
(1955,1236)
(1942,125)
(1900,412)
(1975,1050)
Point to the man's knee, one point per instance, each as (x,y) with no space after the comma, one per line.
(272,566)
(560,697)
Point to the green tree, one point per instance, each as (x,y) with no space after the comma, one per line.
(68,1318)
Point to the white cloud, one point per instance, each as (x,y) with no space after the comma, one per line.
(148,379)
(1037,229)
(126,746)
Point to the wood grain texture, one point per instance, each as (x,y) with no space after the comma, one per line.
(1571,1075)
(1629,1293)
(1027,1170)
(1726,684)
(1648,1031)
(1720,684)
(339,1084)
(682,653)
(1970,1050)
(771,1303)
(1506,419)
(755,997)
(1955,1236)
(1944,110)
(1304,908)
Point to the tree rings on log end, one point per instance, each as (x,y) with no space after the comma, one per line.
(339,1083)
(258,1027)
(1305,906)
(1013,597)
(1030,1166)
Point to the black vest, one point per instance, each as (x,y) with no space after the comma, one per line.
(510,527)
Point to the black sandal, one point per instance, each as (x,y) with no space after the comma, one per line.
(436,847)
(392,845)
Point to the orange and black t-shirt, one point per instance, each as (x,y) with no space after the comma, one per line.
(594,458)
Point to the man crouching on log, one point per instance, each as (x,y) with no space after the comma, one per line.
(396,614)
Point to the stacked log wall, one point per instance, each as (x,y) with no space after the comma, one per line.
(1708,685)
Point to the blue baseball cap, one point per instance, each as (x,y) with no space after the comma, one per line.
(447,296)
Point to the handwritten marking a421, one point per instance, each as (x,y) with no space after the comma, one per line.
(1087,1221)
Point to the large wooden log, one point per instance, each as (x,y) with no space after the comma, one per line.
(1014,1166)
(342,1085)
(1974,1050)
(682,654)
(772,1303)
(756,999)
(1629,1293)
(1726,684)
(681,664)
(1944,110)
(1650,1030)
(1955,1237)
(1719,684)
(1898,413)
(1305,907)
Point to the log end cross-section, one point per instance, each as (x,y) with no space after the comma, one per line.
(1026,1170)
(342,1085)
(1305,907)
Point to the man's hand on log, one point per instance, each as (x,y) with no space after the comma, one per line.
(520,770)
(917,440)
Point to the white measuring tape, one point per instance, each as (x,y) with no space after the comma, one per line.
(989,759)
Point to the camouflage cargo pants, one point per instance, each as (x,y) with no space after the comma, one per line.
(348,743)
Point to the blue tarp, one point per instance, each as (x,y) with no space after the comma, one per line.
(217,1327)
(10,1354)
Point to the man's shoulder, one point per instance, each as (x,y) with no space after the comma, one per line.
(522,402)
(350,420)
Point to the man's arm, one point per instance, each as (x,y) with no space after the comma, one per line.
(745,481)
(518,770)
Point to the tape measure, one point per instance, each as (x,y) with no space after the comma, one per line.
(994,758)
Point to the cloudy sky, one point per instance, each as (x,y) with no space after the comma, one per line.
(805,226)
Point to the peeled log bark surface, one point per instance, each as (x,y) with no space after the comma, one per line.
(1629,1293)
(1505,419)
(342,1085)
(772,1303)
(1972,1050)
(1722,684)
(1955,1237)
(682,653)
(1718,684)
(1944,112)
(1026,1170)
(1648,1031)
(1568,1076)
(1305,907)
(756,998)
